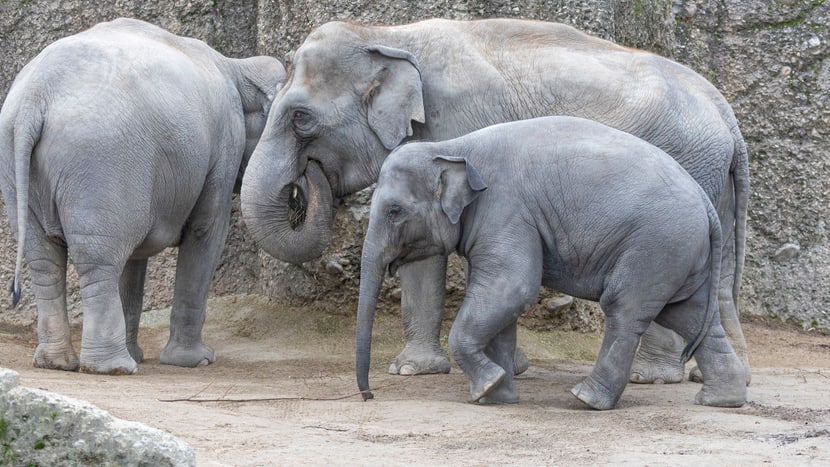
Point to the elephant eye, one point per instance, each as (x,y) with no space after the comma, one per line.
(303,121)
(393,214)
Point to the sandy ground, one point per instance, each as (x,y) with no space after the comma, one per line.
(283,392)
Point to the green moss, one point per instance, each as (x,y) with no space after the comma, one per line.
(7,456)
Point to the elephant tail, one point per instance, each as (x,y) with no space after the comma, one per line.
(740,175)
(28,127)
(715,252)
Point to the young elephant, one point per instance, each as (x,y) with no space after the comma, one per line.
(116,143)
(570,204)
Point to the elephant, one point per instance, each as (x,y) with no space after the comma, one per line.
(116,143)
(566,203)
(355,92)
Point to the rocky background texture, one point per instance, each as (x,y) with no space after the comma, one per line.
(768,57)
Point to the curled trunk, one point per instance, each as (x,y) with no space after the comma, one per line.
(289,214)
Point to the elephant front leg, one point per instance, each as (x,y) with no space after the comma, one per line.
(131,288)
(483,335)
(502,351)
(199,252)
(422,308)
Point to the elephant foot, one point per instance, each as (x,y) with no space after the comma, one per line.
(657,373)
(520,362)
(695,375)
(136,352)
(504,393)
(56,357)
(420,360)
(486,381)
(594,394)
(122,364)
(731,395)
(189,356)
(658,359)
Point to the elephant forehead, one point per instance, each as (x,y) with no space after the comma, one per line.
(319,61)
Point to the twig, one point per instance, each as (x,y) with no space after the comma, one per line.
(193,398)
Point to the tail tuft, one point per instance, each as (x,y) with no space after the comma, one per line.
(16,291)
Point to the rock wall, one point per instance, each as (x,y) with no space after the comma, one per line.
(769,58)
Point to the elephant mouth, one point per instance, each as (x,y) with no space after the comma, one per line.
(297,207)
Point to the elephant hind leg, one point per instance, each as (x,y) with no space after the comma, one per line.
(104,339)
(724,376)
(627,318)
(131,288)
(47,268)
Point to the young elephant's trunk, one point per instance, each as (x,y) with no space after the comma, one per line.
(372,271)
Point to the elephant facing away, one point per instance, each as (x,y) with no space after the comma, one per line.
(566,203)
(116,143)
(355,92)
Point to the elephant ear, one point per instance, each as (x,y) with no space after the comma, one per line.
(460,185)
(396,97)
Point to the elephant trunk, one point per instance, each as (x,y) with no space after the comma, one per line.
(288,213)
(372,271)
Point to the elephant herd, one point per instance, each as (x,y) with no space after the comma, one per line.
(542,155)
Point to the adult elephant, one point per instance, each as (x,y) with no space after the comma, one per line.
(356,92)
(116,143)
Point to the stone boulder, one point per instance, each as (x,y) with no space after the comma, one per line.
(42,428)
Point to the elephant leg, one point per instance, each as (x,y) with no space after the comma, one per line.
(199,252)
(483,335)
(104,338)
(658,359)
(472,333)
(132,299)
(520,361)
(422,308)
(502,350)
(724,379)
(47,268)
(627,318)
(727,301)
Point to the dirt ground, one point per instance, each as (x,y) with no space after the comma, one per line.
(283,392)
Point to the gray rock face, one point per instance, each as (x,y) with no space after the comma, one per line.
(769,58)
(42,428)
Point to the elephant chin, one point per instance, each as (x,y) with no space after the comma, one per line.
(292,224)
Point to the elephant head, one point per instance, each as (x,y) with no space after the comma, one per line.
(415,213)
(345,105)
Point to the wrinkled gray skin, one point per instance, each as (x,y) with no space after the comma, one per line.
(356,92)
(570,204)
(117,143)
